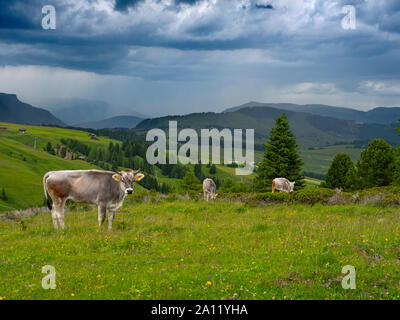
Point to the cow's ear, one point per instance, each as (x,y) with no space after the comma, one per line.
(116,177)
(139,176)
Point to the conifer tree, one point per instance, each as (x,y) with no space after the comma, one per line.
(49,148)
(376,164)
(281,158)
(3,195)
(190,181)
(342,173)
(213,169)
(396,173)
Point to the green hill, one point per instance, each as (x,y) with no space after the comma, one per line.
(310,130)
(22,167)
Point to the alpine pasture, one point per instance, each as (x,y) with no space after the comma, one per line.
(178,246)
(187,249)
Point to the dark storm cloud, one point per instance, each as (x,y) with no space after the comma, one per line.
(12,17)
(183,40)
(191,2)
(123,5)
(264,6)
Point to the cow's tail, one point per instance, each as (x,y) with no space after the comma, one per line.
(49,205)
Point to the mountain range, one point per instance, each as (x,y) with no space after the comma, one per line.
(377,115)
(15,111)
(76,111)
(311,130)
(114,122)
(313,125)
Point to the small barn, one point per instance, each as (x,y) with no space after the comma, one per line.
(22,130)
(3,127)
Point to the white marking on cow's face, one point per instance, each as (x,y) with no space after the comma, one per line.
(127,182)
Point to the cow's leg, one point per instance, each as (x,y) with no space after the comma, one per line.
(54,210)
(102,214)
(111,214)
(58,212)
(205,195)
(54,216)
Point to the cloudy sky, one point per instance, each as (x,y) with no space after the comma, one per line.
(180,56)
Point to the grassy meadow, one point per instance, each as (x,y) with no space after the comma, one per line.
(197,250)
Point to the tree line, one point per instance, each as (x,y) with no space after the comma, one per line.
(379,164)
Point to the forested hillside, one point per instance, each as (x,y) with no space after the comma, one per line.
(311,131)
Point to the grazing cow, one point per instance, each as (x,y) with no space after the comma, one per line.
(107,189)
(282,184)
(209,189)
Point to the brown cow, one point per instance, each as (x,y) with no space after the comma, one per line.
(107,189)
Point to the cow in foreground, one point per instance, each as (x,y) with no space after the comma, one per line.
(106,189)
(209,189)
(283,185)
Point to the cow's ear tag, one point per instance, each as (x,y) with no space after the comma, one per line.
(115,177)
(140,177)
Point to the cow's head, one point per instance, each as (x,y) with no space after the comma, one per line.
(127,178)
(214,196)
(292,186)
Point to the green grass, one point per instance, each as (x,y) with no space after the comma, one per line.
(312,182)
(22,167)
(45,134)
(319,160)
(198,250)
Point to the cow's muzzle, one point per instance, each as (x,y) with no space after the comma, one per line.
(129,191)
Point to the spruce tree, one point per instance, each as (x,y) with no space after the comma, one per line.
(376,164)
(281,158)
(63,152)
(198,172)
(396,173)
(3,195)
(190,181)
(49,148)
(342,173)
(228,185)
(213,169)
